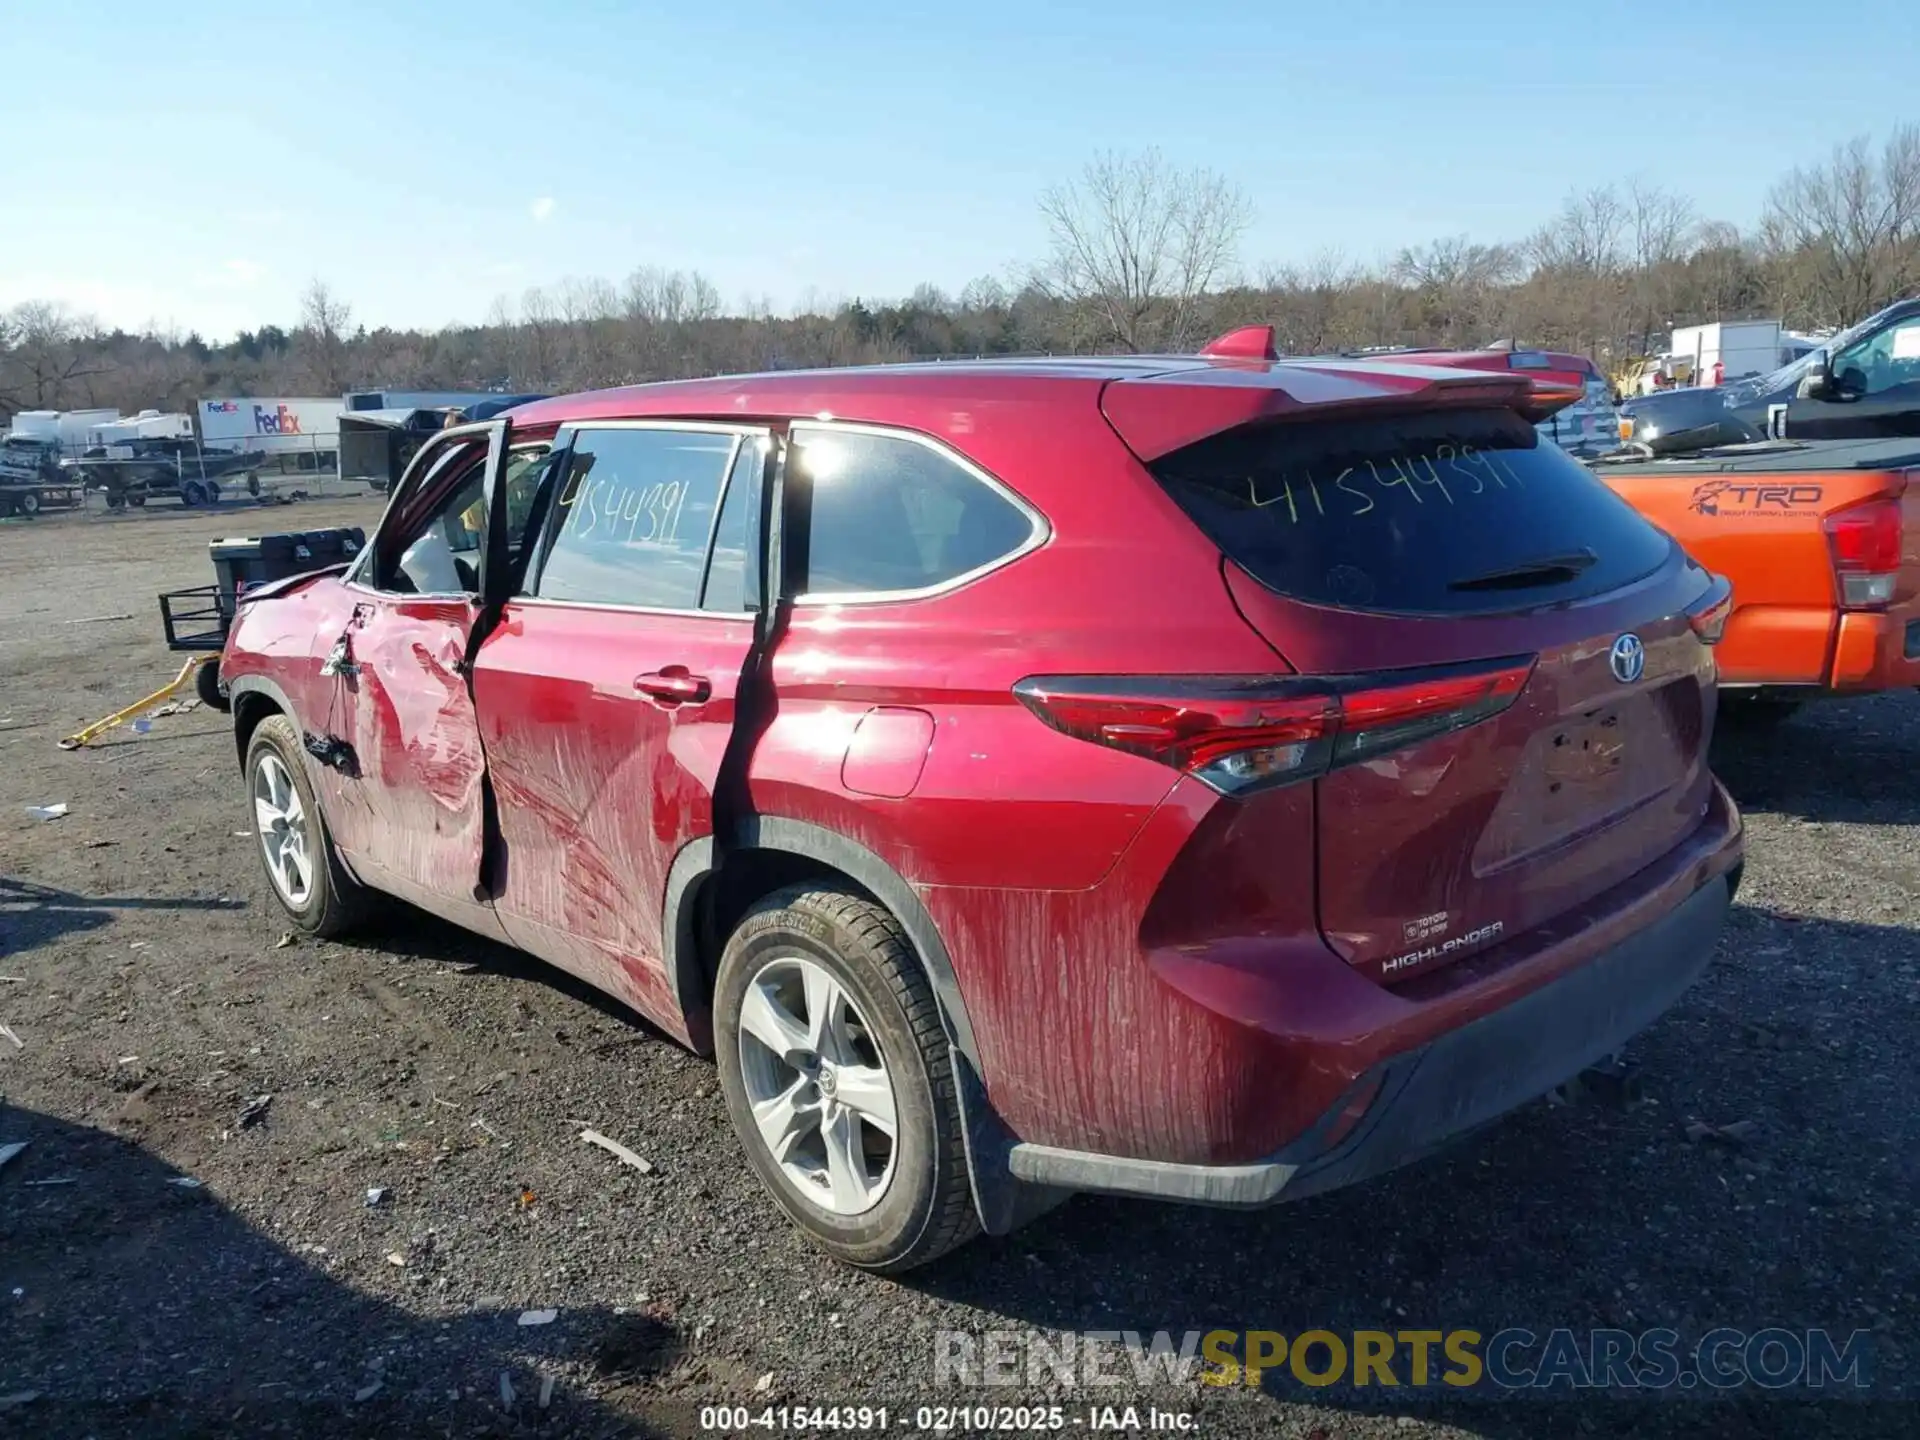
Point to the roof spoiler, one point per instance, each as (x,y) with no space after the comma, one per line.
(1158,414)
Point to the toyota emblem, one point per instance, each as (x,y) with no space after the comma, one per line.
(1628,658)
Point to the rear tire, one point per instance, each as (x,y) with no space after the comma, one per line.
(191,494)
(134,500)
(30,503)
(878,1030)
(303,869)
(253,486)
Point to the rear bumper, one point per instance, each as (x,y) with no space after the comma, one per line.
(1877,651)
(1462,1072)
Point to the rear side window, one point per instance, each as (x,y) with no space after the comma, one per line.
(1437,513)
(890,513)
(632,519)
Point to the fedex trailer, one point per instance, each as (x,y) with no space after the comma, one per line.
(278,426)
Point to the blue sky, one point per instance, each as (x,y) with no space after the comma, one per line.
(195,165)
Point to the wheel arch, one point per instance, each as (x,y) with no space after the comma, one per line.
(1001,1200)
(692,951)
(254,698)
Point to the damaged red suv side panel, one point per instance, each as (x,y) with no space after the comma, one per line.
(1213,777)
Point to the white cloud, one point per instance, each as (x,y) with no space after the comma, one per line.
(542,209)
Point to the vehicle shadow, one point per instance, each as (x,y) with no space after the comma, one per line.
(1587,1216)
(402,930)
(1846,762)
(135,1304)
(34,914)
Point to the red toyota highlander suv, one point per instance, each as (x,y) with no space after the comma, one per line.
(1202,777)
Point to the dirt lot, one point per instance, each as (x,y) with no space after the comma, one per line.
(202,1277)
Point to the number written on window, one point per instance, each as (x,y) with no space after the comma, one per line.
(633,516)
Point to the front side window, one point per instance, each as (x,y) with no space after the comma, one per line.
(890,513)
(1881,362)
(436,549)
(633,518)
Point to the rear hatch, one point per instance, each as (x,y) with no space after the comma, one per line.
(1524,701)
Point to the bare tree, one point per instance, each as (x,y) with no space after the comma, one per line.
(1311,306)
(48,355)
(324,318)
(1454,281)
(1136,242)
(1845,235)
(1581,267)
(1662,231)
(1585,236)
(670,297)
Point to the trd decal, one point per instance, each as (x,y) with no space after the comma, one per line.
(1744,497)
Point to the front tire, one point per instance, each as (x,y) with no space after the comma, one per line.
(191,495)
(30,503)
(302,867)
(839,1081)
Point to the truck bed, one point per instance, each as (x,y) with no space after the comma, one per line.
(1777,457)
(1758,515)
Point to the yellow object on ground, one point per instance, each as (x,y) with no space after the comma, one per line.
(120,717)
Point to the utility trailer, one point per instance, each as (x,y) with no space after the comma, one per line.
(135,471)
(33,478)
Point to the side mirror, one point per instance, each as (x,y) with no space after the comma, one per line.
(1818,383)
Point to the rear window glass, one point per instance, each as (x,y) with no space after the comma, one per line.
(1441,512)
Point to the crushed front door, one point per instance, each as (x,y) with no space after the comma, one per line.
(409,782)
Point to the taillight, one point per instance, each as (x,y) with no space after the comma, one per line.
(1710,613)
(1242,734)
(1865,541)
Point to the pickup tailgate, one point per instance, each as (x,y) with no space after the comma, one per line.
(1767,533)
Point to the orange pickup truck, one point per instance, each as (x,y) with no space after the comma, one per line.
(1821,539)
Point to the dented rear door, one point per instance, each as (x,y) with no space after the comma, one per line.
(609,688)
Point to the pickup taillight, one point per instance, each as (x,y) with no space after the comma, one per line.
(1865,543)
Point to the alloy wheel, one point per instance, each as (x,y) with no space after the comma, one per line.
(281,821)
(822,1100)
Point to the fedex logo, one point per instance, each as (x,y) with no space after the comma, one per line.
(221,407)
(277,421)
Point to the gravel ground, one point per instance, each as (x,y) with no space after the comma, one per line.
(202,1275)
